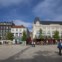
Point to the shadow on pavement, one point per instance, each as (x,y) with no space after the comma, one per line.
(16,55)
(41,56)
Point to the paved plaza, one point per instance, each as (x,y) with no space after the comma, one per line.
(20,53)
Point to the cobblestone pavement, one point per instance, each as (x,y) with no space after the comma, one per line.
(39,53)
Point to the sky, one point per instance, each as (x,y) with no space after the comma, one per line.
(23,12)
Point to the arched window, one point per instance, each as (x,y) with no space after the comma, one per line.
(37,34)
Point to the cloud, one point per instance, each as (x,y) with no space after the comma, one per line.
(58,18)
(49,9)
(20,22)
(6,3)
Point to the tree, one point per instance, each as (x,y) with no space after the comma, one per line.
(48,37)
(24,37)
(61,37)
(9,36)
(35,37)
(56,35)
(0,38)
(40,34)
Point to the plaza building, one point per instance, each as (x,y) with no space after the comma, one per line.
(18,33)
(5,27)
(48,27)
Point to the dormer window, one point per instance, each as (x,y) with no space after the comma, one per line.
(37,22)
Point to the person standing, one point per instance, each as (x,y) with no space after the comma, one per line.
(60,46)
(33,43)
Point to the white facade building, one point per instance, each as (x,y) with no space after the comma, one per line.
(18,32)
(48,27)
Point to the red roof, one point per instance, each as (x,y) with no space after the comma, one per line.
(20,26)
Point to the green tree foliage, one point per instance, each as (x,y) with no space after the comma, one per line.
(9,36)
(48,37)
(61,36)
(0,38)
(40,34)
(24,37)
(56,35)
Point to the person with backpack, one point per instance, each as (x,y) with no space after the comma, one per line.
(60,46)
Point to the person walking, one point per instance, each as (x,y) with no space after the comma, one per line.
(60,46)
(33,43)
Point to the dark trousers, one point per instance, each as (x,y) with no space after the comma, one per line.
(59,51)
(33,45)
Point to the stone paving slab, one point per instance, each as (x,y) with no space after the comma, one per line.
(7,51)
(40,53)
(47,50)
(45,53)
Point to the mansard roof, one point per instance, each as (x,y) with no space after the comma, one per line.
(46,22)
(18,26)
(36,19)
(6,23)
(51,22)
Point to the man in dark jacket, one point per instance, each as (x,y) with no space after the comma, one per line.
(60,46)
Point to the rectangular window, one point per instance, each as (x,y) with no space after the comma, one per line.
(53,32)
(20,34)
(61,32)
(7,27)
(12,29)
(16,29)
(16,34)
(48,32)
(1,27)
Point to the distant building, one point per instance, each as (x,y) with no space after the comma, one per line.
(18,32)
(48,27)
(31,35)
(5,27)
